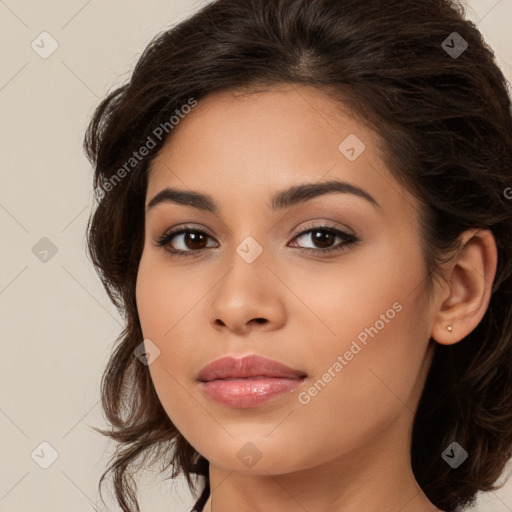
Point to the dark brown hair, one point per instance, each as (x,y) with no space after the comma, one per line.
(446,123)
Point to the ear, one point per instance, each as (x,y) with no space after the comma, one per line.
(468,289)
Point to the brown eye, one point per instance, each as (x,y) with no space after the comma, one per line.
(184,241)
(323,238)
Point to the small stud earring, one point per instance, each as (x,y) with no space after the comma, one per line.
(449,328)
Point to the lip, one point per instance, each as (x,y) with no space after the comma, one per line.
(248,381)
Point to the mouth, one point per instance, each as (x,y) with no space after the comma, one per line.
(249,381)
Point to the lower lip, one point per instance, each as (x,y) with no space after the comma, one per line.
(248,392)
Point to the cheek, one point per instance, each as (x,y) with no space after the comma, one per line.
(374,294)
(367,343)
(168,301)
(164,298)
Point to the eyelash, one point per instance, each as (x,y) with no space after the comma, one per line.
(347,238)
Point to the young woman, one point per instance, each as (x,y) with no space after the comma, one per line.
(304,213)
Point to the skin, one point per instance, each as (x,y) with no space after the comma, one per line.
(347,449)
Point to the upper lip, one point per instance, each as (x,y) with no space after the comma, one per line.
(248,366)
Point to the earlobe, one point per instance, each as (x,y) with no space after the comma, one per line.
(470,276)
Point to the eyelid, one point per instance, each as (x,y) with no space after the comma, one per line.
(181,230)
(325,224)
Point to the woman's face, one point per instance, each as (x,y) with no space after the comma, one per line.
(353,316)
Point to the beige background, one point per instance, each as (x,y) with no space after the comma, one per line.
(57,325)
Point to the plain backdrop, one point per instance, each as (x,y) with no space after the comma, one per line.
(57,325)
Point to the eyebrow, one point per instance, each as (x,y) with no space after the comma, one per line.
(284,199)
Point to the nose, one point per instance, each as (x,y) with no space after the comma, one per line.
(249,297)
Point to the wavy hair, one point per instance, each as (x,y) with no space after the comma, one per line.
(446,123)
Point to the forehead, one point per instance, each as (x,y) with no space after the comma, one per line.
(238,146)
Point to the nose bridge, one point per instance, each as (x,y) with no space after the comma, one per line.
(248,273)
